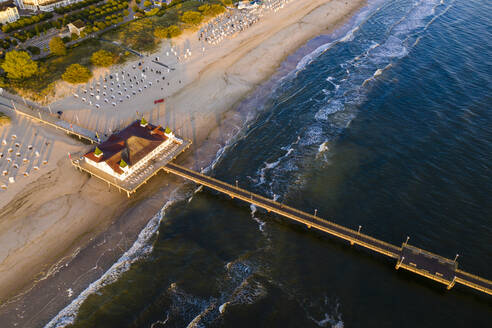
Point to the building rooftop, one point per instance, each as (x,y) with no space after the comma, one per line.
(128,146)
(78,23)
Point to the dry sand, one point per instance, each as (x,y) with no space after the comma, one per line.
(57,210)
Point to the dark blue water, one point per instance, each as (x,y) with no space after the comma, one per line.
(389,128)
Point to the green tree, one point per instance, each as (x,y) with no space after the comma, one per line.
(192,17)
(57,47)
(227,2)
(147,3)
(102,58)
(19,65)
(77,73)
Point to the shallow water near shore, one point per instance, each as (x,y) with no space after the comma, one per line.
(387,128)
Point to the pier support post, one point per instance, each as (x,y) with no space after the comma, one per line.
(398,264)
(451,284)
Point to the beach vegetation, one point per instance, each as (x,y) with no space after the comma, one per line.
(147,3)
(211,10)
(227,2)
(192,17)
(19,66)
(161,32)
(167,32)
(173,31)
(4,119)
(57,47)
(138,35)
(102,58)
(77,73)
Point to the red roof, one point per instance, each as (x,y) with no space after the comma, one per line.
(130,144)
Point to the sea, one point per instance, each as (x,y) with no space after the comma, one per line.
(384,125)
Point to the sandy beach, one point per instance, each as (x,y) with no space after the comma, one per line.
(51,216)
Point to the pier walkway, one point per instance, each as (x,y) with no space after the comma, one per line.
(408,257)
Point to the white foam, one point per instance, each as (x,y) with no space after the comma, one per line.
(269,166)
(261,224)
(331,108)
(223,307)
(323,147)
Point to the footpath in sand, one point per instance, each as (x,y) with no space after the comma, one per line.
(58,210)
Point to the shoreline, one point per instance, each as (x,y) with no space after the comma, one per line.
(210,130)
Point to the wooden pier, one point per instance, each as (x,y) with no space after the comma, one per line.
(408,257)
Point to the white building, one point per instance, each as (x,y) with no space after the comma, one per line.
(44,5)
(8,14)
(131,149)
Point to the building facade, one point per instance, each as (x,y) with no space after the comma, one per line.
(8,14)
(44,5)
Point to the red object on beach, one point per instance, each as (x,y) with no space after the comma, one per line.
(158,101)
